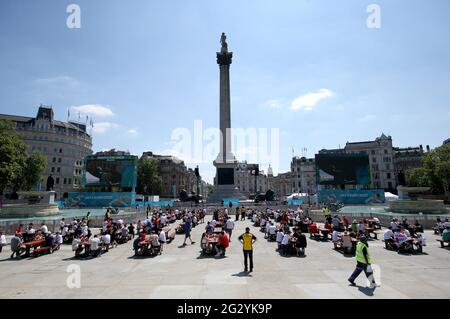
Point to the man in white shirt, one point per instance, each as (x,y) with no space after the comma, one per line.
(162,239)
(272,231)
(285,244)
(106,239)
(163,220)
(62,223)
(229,227)
(76,246)
(2,241)
(389,238)
(44,228)
(279,238)
(335,236)
(95,246)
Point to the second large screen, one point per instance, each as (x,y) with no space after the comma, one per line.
(342,169)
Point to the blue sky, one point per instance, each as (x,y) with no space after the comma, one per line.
(310,68)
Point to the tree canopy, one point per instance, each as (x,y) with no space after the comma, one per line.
(149,182)
(434,172)
(18,170)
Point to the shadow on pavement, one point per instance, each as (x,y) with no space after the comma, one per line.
(242,274)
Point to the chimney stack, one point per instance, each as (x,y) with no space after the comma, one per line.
(428,148)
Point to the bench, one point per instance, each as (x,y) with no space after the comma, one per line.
(443,242)
(40,250)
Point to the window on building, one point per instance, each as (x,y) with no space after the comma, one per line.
(57,180)
(373,152)
(53,169)
(388,167)
(58,169)
(55,150)
(53,159)
(60,150)
(388,175)
(385,151)
(70,181)
(59,160)
(389,184)
(374,159)
(65,181)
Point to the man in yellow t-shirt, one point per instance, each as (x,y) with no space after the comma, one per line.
(248,239)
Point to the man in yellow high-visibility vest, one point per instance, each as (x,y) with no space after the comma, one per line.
(248,239)
(363,261)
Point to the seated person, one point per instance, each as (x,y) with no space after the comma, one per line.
(58,241)
(95,249)
(419,227)
(19,230)
(313,229)
(272,231)
(124,233)
(446,234)
(280,236)
(209,228)
(136,246)
(301,242)
(420,242)
(205,245)
(76,246)
(16,246)
(131,230)
(155,245)
(285,245)
(402,241)
(335,238)
(347,242)
(222,245)
(49,240)
(328,226)
(389,239)
(361,228)
(106,241)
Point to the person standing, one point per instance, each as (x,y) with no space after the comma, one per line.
(187,227)
(363,262)
(248,239)
(237,213)
(229,226)
(243,214)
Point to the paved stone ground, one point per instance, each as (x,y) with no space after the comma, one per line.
(181,273)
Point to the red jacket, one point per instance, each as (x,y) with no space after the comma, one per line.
(224,241)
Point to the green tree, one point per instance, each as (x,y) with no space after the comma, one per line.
(434,172)
(35,164)
(148,180)
(17,169)
(13,156)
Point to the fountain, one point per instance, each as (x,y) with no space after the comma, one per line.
(409,202)
(31,204)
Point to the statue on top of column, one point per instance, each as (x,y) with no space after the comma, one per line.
(223,40)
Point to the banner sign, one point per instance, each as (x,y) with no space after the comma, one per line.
(351,196)
(100,199)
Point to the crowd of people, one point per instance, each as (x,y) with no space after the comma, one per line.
(404,237)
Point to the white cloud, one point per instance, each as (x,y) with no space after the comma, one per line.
(132,131)
(367,118)
(103,127)
(57,80)
(93,110)
(308,101)
(273,104)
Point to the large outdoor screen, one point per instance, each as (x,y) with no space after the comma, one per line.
(111,172)
(342,169)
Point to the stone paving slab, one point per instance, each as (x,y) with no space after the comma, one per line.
(180,272)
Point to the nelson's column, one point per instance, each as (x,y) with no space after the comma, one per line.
(225,185)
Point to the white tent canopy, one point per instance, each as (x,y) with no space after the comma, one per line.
(389,196)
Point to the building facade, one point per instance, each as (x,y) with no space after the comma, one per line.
(381,160)
(250,180)
(65,144)
(281,184)
(303,172)
(407,158)
(175,175)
